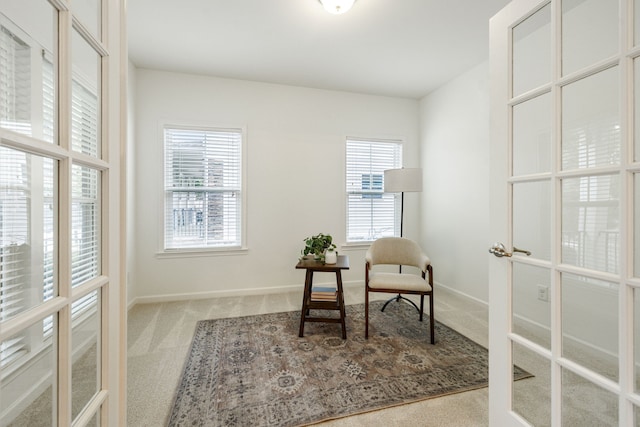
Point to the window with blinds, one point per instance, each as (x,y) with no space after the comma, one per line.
(371,213)
(203,188)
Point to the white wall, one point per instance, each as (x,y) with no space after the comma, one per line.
(295,180)
(454,124)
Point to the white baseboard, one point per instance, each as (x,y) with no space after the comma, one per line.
(228,293)
(439,286)
(263,291)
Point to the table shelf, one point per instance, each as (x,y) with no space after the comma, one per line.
(308,304)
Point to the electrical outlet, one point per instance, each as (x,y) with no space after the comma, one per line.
(543,292)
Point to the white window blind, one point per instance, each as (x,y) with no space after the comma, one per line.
(14,248)
(48,100)
(203,184)
(84,119)
(26,238)
(85,220)
(15,83)
(371,213)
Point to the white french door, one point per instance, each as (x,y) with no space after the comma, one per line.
(565,185)
(62,300)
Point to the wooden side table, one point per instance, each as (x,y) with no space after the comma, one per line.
(308,304)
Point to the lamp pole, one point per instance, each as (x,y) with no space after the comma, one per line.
(400,181)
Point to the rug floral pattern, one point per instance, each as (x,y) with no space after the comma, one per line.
(256,371)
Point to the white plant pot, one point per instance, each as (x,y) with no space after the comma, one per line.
(330,257)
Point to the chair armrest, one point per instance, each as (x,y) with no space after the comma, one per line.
(424,262)
(368,258)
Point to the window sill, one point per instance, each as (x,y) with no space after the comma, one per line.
(355,246)
(193,253)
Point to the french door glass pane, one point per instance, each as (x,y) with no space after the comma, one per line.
(589,32)
(586,404)
(591,222)
(88,12)
(85,97)
(532,218)
(86,350)
(531,52)
(532,396)
(28,206)
(27,398)
(590,323)
(531,297)
(532,136)
(85,224)
(591,121)
(95,421)
(28,35)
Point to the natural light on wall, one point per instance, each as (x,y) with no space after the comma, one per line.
(337,7)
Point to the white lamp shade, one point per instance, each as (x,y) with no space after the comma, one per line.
(337,7)
(403,180)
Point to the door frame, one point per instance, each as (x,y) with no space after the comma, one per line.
(499,271)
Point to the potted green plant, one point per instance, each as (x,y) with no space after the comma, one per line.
(317,245)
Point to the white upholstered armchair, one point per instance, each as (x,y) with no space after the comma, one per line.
(399,251)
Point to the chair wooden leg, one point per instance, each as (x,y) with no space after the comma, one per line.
(366,313)
(421,306)
(432,319)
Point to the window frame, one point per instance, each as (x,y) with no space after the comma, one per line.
(180,252)
(373,194)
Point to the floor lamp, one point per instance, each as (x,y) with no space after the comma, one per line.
(402,181)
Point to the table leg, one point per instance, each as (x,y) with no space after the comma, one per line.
(341,304)
(305,298)
(309,288)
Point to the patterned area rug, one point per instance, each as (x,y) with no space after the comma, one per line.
(256,371)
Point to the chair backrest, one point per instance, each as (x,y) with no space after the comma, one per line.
(396,251)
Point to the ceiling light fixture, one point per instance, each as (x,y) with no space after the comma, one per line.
(337,7)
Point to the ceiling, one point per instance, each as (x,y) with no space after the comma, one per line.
(403,48)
